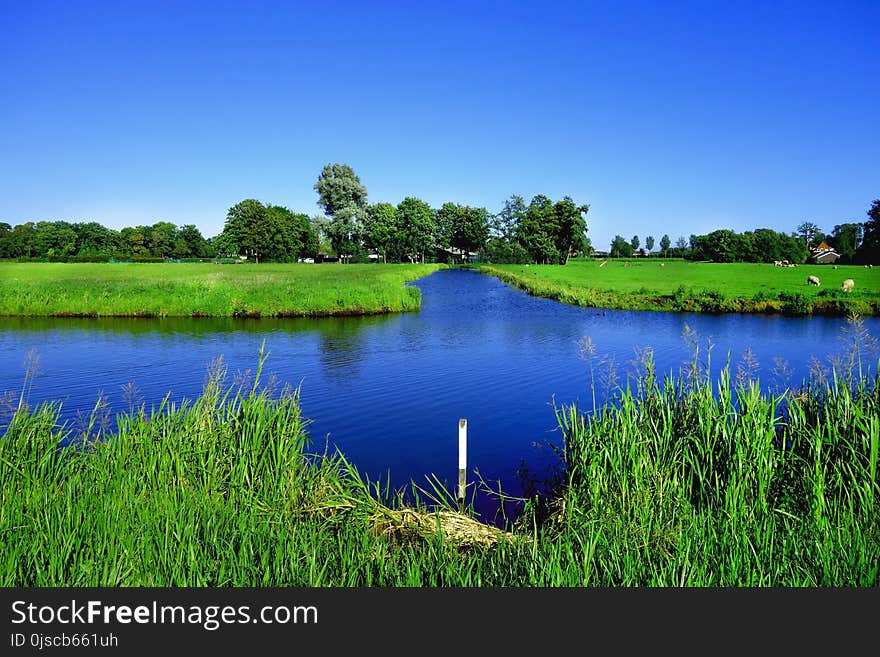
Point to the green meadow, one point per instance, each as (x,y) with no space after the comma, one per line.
(680,285)
(673,483)
(206,289)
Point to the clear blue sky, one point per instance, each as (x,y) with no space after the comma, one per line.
(666,117)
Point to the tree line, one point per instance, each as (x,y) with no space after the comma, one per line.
(90,240)
(543,231)
(855,242)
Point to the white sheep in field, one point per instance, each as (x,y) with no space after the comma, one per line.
(848,285)
(813,280)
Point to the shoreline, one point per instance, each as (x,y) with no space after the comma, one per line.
(683,300)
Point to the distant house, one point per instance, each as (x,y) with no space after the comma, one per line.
(442,254)
(823,254)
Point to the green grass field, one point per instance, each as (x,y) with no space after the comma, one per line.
(675,483)
(206,290)
(679,285)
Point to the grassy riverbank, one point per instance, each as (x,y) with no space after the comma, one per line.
(679,285)
(669,485)
(206,290)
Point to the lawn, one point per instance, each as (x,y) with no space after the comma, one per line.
(658,284)
(206,289)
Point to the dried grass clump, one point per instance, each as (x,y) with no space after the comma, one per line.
(456,528)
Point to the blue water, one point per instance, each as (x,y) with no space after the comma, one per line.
(389,390)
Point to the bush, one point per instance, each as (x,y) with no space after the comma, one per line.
(796,303)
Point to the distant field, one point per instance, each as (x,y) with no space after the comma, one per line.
(679,285)
(206,290)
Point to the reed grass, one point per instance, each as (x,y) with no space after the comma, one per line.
(206,289)
(684,481)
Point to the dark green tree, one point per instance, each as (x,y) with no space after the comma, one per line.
(191,243)
(248,231)
(846,239)
(380,229)
(539,229)
(649,243)
(571,228)
(291,235)
(416,228)
(634,243)
(869,251)
(5,240)
(506,222)
(620,248)
(94,239)
(462,228)
(664,245)
(54,238)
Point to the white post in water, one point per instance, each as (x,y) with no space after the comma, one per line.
(462,459)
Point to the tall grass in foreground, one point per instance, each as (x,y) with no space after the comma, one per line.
(682,482)
(693,483)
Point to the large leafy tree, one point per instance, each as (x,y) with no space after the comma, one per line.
(191,243)
(292,235)
(472,230)
(320,226)
(506,222)
(247,229)
(380,229)
(620,247)
(94,239)
(869,252)
(539,229)
(503,244)
(346,231)
(135,240)
(664,244)
(766,245)
(649,243)
(54,238)
(846,239)
(161,239)
(571,229)
(344,199)
(462,228)
(416,228)
(722,245)
(808,232)
(339,187)
(5,240)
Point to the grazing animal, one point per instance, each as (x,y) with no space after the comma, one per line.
(662,264)
(848,285)
(813,280)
